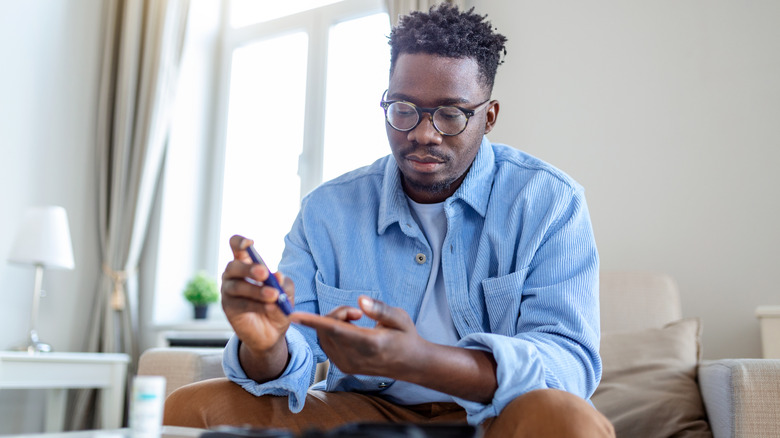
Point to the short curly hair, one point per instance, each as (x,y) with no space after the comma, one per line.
(446,31)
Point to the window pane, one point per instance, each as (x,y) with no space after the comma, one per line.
(358,68)
(245,12)
(261,191)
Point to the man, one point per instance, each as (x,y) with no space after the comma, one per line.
(454,280)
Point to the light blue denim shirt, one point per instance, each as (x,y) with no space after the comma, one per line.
(520,268)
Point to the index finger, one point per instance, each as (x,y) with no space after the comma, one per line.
(239,244)
(319,322)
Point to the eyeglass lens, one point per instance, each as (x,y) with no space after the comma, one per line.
(447,120)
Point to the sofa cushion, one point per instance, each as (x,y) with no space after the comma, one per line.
(648,386)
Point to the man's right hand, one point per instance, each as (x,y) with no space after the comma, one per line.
(254,314)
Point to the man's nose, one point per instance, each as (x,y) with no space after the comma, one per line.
(424,133)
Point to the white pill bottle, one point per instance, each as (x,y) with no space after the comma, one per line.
(146,406)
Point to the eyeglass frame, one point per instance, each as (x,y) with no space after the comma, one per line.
(385,104)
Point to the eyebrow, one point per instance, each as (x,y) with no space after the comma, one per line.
(443,102)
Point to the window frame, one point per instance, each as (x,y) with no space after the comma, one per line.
(316,23)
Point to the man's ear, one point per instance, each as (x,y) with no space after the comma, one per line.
(491,115)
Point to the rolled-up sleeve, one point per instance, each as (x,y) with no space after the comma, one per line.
(556,334)
(294,381)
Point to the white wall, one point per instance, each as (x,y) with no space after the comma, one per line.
(668,113)
(48,88)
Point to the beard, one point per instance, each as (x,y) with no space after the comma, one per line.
(434,188)
(433,185)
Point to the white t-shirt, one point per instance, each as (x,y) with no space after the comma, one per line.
(434,322)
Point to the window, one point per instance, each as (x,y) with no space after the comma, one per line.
(264,138)
(291,76)
(354,89)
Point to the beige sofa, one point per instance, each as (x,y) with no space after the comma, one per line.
(654,384)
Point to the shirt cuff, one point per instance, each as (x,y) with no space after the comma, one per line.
(518,370)
(294,381)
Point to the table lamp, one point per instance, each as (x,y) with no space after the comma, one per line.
(43,240)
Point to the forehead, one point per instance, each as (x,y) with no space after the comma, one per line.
(431,79)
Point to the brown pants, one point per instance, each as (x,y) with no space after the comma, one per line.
(541,413)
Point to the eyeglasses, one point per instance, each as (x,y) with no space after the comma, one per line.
(447,120)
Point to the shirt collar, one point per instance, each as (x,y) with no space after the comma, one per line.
(475,190)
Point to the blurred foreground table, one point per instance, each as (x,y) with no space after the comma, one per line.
(166,432)
(57,372)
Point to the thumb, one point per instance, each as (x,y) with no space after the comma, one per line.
(383,314)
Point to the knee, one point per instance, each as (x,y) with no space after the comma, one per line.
(188,406)
(549,413)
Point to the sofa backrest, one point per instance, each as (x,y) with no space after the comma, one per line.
(637,300)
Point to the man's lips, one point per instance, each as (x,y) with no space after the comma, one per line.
(424,163)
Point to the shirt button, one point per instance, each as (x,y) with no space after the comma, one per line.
(383,385)
(420,258)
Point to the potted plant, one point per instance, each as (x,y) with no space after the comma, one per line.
(201,291)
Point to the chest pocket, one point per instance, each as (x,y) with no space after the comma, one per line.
(329,297)
(503,296)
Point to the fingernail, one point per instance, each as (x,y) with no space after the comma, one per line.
(367,303)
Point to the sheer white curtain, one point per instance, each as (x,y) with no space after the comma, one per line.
(140,63)
(402,7)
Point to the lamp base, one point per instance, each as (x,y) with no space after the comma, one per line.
(34,345)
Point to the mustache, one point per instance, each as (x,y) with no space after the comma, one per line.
(424,151)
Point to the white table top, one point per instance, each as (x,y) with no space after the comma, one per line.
(23,356)
(767,311)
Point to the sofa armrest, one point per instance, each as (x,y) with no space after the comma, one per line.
(741,396)
(181,366)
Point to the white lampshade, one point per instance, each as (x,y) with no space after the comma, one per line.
(43,239)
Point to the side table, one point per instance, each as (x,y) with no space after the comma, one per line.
(769,320)
(60,371)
